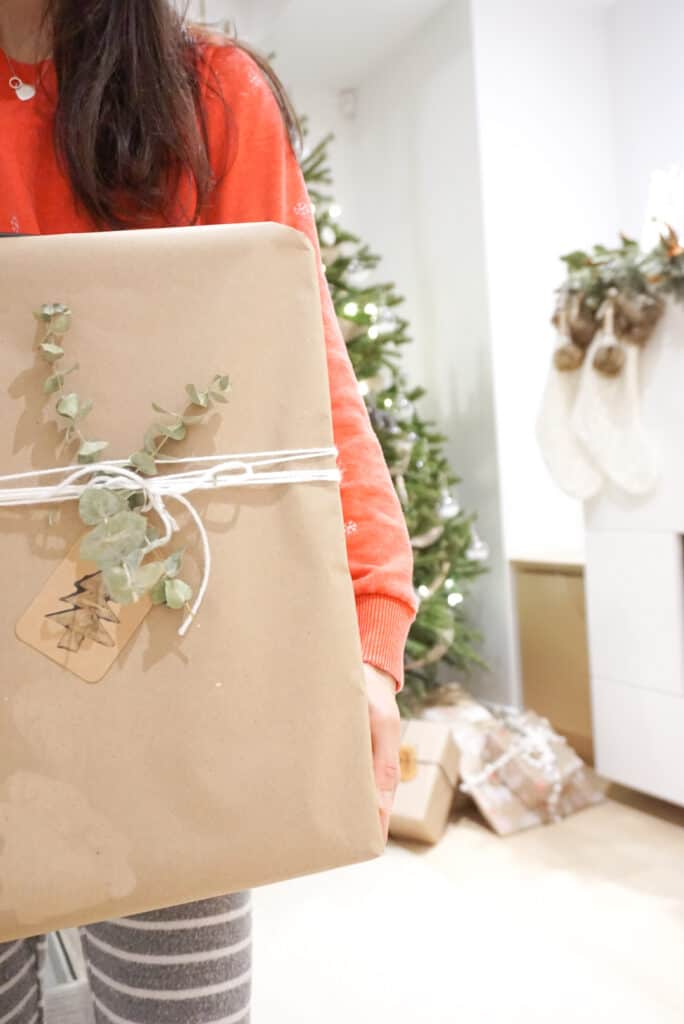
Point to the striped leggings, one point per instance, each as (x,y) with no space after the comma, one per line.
(183,965)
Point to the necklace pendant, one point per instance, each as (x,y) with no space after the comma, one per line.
(25,91)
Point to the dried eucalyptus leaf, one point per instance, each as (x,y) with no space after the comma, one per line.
(190,421)
(158,592)
(200,398)
(144,462)
(61,323)
(53,383)
(150,442)
(158,408)
(147,576)
(173,563)
(98,503)
(90,450)
(221,382)
(177,593)
(72,369)
(84,408)
(51,351)
(134,560)
(118,585)
(68,406)
(110,542)
(175,431)
(219,396)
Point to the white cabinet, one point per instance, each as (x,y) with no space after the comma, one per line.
(635,596)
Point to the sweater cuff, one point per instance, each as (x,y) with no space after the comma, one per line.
(384,624)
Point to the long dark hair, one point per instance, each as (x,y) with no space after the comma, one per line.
(129,122)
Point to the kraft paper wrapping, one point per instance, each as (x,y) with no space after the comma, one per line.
(236,756)
(423,802)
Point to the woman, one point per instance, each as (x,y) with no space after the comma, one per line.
(115,115)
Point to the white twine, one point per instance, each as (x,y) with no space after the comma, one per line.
(535,747)
(246,469)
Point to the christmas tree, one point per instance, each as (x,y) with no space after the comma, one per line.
(448,552)
(83,620)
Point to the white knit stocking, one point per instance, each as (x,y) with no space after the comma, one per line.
(607,420)
(566,458)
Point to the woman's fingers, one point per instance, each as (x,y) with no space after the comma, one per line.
(385,725)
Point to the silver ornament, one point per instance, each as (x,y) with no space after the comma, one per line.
(449,506)
(478,550)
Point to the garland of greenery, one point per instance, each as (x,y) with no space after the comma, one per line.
(621,290)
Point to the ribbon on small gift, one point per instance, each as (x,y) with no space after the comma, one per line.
(246,469)
(535,746)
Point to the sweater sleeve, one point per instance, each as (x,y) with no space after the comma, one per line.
(264,182)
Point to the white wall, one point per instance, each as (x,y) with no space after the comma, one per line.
(646,53)
(548,183)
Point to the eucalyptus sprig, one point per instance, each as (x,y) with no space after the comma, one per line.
(122,537)
(71,408)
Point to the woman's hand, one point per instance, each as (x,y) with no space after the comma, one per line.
(385,737)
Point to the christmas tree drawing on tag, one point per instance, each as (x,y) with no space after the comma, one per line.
(90,607)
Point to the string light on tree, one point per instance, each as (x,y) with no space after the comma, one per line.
(448,552)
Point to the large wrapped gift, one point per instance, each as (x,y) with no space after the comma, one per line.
(140,768)
(429,763)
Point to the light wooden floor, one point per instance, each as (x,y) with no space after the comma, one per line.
(582,921)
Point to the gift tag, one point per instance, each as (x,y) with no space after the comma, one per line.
(74,623)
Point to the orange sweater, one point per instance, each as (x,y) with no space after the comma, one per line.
(264,183)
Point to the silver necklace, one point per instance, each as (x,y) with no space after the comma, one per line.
(22,90)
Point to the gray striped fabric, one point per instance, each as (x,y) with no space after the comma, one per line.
(189,964)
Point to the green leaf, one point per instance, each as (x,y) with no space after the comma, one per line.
(89,450)
(158,592)
(177,593)
(175,431)
(51,351)
(150,442)
(134,560)
(84,408)
(197,397)
(118,585)
(61,323)
(158,408)
(148,576)
(173,563)
(190,421)
(219,396)
(98,503)
(53,383)
(110,542)
(144,462)
(221,382)
(576,260)
(68,406)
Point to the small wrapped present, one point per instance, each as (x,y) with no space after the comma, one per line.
(519,772)
(429,762)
